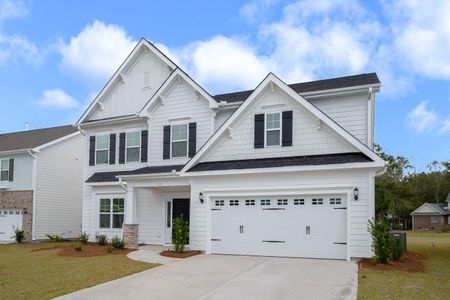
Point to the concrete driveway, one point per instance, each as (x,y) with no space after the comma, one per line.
(234,277)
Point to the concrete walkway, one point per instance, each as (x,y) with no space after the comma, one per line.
(150,254)
(234,277)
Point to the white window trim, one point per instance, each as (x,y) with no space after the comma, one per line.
(186,140)
(139,146)
(1,170)
(111,213)
(102,149)
(272,129)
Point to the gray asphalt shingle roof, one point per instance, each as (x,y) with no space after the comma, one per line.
(33,138)
(111,176)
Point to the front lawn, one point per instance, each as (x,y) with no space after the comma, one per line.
(433,283)
(28,274)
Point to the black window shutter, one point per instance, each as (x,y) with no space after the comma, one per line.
(259,131)
(166,142)
(192,139)
(144,145)
(122,148)
(11,169)
(92,150)
(287,128)
(112,148)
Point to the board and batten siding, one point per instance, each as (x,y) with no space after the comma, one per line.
(23,173)
(307,139)
(360,211)
(180,106)
(59,186)
(130,93)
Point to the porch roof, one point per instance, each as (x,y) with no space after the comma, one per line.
(112,176)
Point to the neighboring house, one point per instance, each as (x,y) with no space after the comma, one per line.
(282,170)
(432,216)
(41,182)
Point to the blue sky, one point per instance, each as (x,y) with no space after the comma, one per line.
(56,55)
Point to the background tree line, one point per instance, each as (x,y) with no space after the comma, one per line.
(402,189)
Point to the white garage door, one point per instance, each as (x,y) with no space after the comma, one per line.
(300,226)
(10,219)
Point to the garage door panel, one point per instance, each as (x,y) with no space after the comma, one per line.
(10,219)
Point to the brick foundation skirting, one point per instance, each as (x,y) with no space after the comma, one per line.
(130,235)
(20,200)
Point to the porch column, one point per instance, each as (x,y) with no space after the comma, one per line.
(130,226)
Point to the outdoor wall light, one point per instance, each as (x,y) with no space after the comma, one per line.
(200,196)
(356,193)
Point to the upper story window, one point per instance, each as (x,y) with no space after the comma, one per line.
(101,149)
(273,129)
(133,146)
(4,170)
(179,140)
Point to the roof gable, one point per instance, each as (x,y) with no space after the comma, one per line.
(270,82)
(429,208)
(143,49)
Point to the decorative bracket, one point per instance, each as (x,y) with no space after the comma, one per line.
(101,105)
(122,78)
(230,132)
(318,124)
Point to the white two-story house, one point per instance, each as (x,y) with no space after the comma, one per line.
(281,170)
(41,187)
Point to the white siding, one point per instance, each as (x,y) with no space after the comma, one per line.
(359,210)
(222,116)
(349,111)
(181,106)
(129,96)
(59,186)
(23,173)
(307,139)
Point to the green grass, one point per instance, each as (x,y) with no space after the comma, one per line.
(44,274)
(434,283)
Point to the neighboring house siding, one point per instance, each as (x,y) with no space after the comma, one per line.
(59,186)
(424,223)
(349,111)
(23,173)
(180,106)
(307,139)
(128,97)
(360,211)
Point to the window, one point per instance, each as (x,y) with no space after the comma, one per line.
(101,149)
(299,201)
(317,201)
(133,146)
(4,170)
(220,203)
(112,212)
(435,219)
(249,202)
(179,140)
(282,202)
(234,202)
(265,202)
(335,201)
(273,129)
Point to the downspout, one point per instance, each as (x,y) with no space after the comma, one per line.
(33,187)
(122,185)
(81,130)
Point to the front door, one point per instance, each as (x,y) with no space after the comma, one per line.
(174,209)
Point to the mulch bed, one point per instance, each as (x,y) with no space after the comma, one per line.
(184,254)
(409,262)
(46,248)
(91,250)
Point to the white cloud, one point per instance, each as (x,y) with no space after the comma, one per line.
(16,48)
(57,98)
(421,119)
(255,10)
(10,9)
(97,51)
(445,127)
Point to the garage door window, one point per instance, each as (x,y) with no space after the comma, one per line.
(282,202)
(249,202)
(265,202)
(335,201)
(299,201)
(220,203)
(317,201)
(234,202)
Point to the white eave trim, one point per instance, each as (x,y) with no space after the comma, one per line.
(309,168)
(117,120)
(106,183)
(149,176)
(10,152)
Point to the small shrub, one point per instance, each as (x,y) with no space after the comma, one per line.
(396,248)
(117,243)
(379,230)
(180,233)
(55,237)
(84,238)
(19,235)
(101,239)
(78,248)
(109,249)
